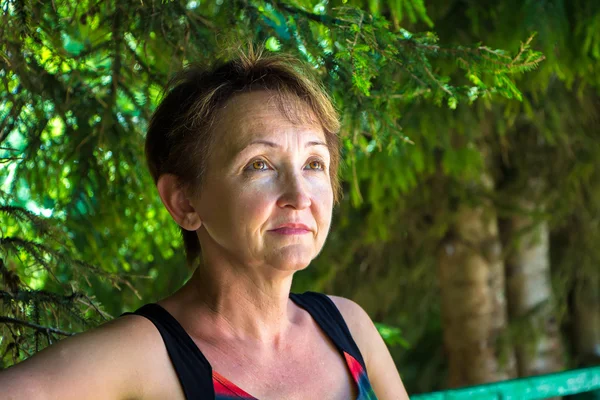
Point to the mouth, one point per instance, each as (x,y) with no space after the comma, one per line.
(292,229)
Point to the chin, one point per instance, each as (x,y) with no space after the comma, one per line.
(291,259)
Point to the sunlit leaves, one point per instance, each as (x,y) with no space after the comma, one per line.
(272,44)
(392,335)
(77,109)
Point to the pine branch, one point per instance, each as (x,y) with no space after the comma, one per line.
(116,63)
(25,215)
(192,16)
(39,251)
(14,113)
(11,279)
(35,250)
(432,77)
(412,75)
(523,47)
(39,328)
(155,77)
(323,19)
(4,160)
(40,296)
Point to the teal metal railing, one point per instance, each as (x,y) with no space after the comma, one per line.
(537,387)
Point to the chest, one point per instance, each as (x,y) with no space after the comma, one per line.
(309,367)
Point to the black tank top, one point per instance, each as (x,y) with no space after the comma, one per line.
(195,374)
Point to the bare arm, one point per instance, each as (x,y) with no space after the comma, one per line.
(98,364)
(381,368)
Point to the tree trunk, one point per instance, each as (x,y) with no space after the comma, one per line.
(471,273)
(529,292)
(586,327)
(586,321)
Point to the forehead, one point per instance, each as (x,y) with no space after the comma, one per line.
(262,114)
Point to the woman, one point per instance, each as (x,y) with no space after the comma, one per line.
(245,159)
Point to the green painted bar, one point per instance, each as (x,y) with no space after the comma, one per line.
(536,387)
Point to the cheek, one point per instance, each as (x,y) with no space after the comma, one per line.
(324,189)
(323,201)
(252,201)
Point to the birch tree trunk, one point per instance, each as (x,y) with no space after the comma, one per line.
(586,321)
(471,273)
(529,293)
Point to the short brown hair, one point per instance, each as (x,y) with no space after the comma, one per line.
(179,136)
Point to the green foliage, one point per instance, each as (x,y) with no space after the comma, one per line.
(44,295)
(425,114)
(391,335)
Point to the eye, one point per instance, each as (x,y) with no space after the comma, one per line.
(258,165)
(315,165)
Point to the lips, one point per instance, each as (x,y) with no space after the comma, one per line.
(293,226)
(292,229)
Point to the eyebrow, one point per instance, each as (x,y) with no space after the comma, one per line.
(275,145)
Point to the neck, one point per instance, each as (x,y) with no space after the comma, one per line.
(241,303)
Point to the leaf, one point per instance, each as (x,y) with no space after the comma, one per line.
(273,44)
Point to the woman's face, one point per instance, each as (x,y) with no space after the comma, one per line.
(266,199)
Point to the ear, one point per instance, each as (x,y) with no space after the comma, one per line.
(176,201)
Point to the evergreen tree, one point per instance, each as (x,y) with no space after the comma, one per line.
(425,121)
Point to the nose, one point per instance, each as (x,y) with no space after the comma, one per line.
(294,194)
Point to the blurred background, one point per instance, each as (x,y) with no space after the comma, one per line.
(469,227)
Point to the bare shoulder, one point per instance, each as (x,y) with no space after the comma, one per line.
(360,324)
(112,361)
(381,368)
